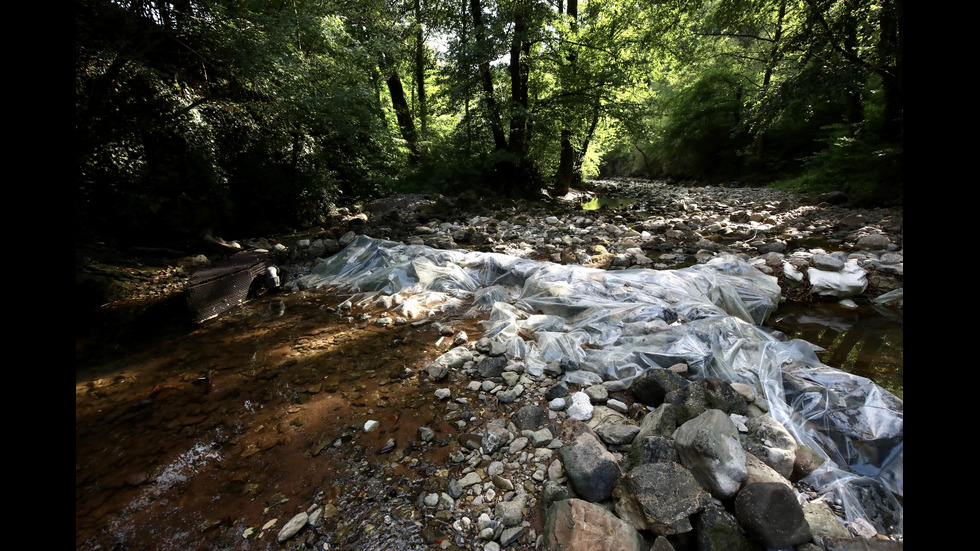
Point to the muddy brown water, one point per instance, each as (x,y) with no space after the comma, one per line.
(187,437)
(196,436)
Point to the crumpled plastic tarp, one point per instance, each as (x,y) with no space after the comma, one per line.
(615,324)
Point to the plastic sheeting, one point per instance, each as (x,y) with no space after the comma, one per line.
(615,324)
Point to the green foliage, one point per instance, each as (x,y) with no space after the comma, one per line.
(255,114)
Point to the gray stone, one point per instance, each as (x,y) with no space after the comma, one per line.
(426,434)
(592,470)
(443,393)
(717,530)
(771,513)
(656,449)
(494,437)
(827,262)
(708,445)
(470,479)
(651,386)
(528,417)
(437,370)
(510,513)
(617,405)
(597,394)
(491,366)
(823,522)
(660,497)
(769,440)
(542,437)
(455,358)
(873,242)
(617,435)
(559,390)
(292,527)
(510,535)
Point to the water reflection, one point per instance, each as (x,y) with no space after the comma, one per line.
(865,340)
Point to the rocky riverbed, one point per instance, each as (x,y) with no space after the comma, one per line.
(502,457)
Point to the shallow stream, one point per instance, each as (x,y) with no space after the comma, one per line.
(198,436)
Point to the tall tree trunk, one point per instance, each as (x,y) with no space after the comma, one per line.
(566,162)
(493,111)
(420,71)
(403,113)
(892,62)
(517,144)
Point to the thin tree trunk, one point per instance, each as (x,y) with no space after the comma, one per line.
(493,111)
(404,115)
(566,162)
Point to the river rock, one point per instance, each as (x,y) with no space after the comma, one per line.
(771,513)
(660,497)
(769,440)
(528,418)
(651,386)
(455,358)
(822,521)
(717,530)
(577,525)
(617,435)
(708,445)
(510,513)
(592,470)
(292,527)
(580,408)
(491,366)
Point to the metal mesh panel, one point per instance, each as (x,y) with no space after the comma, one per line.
(224,285)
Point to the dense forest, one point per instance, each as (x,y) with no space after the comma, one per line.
(258,114)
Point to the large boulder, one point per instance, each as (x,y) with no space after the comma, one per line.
(651,386)
(708,445)
(576,525)
(717,530)
(770,513)
(591,469)
(660,497)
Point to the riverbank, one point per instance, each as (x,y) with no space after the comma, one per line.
(457,458)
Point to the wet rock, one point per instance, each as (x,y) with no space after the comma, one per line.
(371,426)
(426,434)
(660,497)
(708,445)
(592,470)
(577,525)
(770,513)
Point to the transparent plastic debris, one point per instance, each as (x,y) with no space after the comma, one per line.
(850,281)
(896,297)
(616,324)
